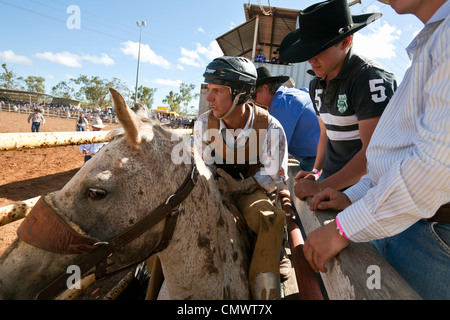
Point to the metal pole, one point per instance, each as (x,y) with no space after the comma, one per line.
(139,57)
(255,36)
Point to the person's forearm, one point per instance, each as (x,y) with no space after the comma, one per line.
(321,147)
(350,174)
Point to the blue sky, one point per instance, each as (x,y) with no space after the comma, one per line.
(177,42)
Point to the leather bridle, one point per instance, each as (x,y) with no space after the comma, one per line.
(47,229)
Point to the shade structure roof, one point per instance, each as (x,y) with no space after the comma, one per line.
(264,26)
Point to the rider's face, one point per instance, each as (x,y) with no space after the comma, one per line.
(219,98)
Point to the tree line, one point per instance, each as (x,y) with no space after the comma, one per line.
(94,91)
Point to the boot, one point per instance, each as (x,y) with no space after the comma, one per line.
(285,266)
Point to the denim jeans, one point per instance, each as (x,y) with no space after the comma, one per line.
(421,255)
(35,127)
(306,163)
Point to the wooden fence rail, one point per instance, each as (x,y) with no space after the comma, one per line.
(349,275)
(30,140)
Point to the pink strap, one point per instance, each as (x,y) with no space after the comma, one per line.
(341,232)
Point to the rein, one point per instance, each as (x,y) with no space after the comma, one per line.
(47,229)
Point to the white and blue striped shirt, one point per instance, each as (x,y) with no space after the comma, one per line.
(408,158)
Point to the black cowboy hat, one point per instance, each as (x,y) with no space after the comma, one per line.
(322,25)
(265,76)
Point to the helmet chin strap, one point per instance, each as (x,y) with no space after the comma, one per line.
(236,99)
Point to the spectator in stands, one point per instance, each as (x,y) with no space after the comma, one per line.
(260,56)
(294,110)
(37,119)
(276,59)
(349,93)
(82,122)
(402,203)
(89,150)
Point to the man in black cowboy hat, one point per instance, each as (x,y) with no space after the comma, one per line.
(349,93)
(293,108)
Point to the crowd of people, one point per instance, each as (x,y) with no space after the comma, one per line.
(175,122)
(88,115)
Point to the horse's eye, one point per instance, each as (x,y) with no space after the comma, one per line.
(96,194)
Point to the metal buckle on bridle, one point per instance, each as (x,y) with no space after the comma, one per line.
(194,177)
(175,211)
(105,243)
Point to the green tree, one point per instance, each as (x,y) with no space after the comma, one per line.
(34,84)
(186,96)
(31,83)
(93,90)
(63,90)
(173,100)
(145,95)
(7,78)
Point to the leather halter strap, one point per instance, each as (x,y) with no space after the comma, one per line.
(98,251)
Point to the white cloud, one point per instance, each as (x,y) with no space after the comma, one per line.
(190,57)
(103,59)
(74,60)
(64,58)
(379,43)
(10,56)
(168,82)
(200,29)
(131,48)
(197,57)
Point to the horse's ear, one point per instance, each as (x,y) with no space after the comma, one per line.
(127,118)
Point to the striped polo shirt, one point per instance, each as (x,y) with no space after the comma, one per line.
(360,91)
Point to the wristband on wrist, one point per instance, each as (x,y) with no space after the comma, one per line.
(315,171)
(339,228)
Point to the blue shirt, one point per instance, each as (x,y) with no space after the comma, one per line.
(260,58)
(294,110)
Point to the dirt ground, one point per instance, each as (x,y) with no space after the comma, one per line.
(25,174)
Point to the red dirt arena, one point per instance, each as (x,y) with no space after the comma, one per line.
(25,174)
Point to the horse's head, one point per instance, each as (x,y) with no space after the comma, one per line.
(127,179)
